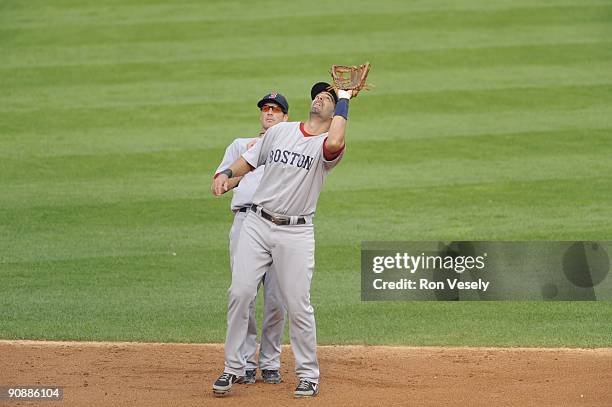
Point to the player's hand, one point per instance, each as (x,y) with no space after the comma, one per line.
(220,185)
(251,143)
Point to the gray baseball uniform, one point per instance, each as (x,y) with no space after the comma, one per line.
(295,170)
(274,313)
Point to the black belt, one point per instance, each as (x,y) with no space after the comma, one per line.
(278,220)
(243,209)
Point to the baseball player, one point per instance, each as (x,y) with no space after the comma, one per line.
(274,109)
(278,229)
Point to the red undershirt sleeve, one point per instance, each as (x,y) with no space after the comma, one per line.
(329,156)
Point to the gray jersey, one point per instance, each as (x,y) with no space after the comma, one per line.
(295,169)
(243,193)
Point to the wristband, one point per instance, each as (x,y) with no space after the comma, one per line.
(342,108)
(227,172)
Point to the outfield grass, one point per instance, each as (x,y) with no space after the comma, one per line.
(489,120)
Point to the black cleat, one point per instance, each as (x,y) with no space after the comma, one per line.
(224,383)
(271,376)
(249,378)
(306,389)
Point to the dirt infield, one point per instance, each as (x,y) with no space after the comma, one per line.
(137,374)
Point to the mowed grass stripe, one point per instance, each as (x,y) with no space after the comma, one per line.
(400,128)
(140,187)
(521,156)
(104,217)
(37,225)
(130,240)
(545,98)
(463,211)
(114,139)
(548,98)
(499,210)
(151,221)
(467,171)
(488,151)
(307,45)
(132,295)
(466,323)
(558,56)
(482,148)
(430,126)
(300,25)
(112,267)
(90,14)
(164,92)
(144,186)
(140,137)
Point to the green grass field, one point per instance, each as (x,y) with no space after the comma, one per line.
(489,120)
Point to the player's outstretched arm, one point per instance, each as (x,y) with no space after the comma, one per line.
(335,135)
(221,182)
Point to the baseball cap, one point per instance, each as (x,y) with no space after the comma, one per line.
(274,97)
(320,87)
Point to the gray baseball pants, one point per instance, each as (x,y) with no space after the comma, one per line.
(273,316)
(291,249)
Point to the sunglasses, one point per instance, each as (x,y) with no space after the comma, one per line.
(274,108)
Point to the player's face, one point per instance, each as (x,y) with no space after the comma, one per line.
(271,114)
(323,105)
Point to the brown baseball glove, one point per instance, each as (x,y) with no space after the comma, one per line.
(350,77)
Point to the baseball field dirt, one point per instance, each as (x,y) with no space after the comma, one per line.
(143,374)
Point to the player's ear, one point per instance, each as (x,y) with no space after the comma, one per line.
(285,117)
